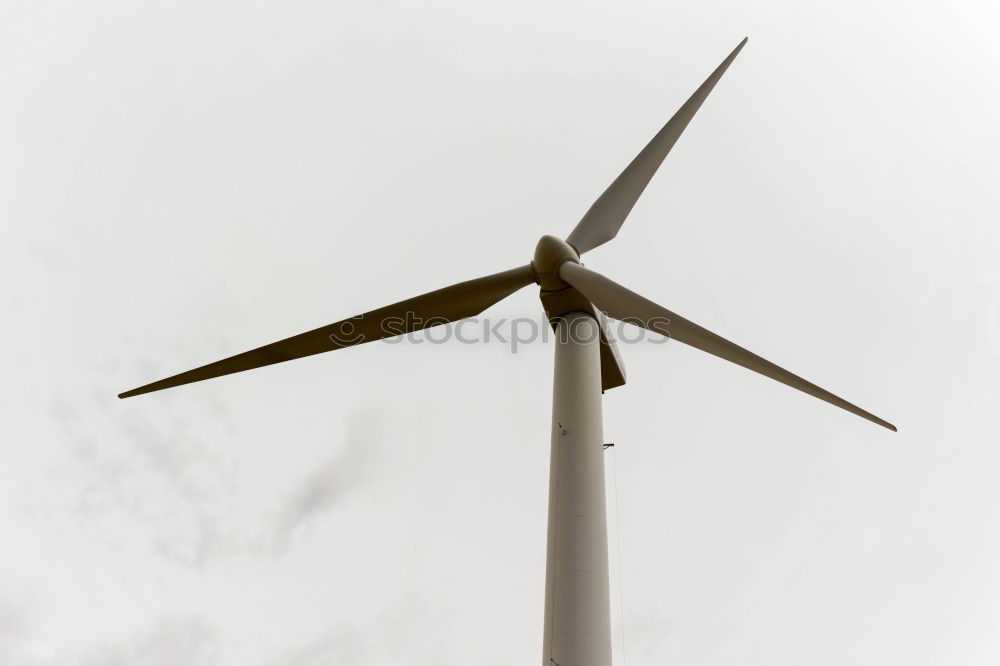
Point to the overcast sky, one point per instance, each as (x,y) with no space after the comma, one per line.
(182,181)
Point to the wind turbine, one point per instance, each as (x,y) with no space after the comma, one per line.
(577,626)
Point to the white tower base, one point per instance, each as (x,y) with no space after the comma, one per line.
(577,594)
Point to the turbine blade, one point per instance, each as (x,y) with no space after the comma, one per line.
(620,303)
(465,299)
(608,213)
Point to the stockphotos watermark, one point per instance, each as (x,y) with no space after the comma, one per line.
(514,332)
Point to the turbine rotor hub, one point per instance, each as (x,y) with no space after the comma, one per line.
(550,253)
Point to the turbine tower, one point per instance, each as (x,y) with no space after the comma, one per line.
(577,624)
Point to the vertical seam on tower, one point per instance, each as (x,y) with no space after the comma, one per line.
(618,535)
(555,543)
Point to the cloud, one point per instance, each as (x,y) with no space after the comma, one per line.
(173,640)
(394,635)
(191,641)
(158,468)
(13,626)
(329,484)
(151,466)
